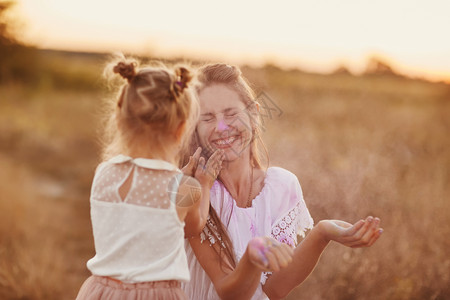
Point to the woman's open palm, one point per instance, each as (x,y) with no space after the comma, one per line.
(363,233)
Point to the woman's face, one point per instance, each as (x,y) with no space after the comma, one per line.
(224,122)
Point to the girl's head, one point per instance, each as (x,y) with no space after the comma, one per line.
(153,113)
(229,114)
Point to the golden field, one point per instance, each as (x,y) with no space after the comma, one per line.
(360,145)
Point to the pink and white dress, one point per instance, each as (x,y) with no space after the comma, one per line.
(278,211)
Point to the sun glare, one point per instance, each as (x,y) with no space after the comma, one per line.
(314,36)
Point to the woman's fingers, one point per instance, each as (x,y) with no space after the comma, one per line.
(216,157)
(201,163)
(270,255)
(343,232)
(358,235)
(256,251)
(282,254)
(359,244)
(365,239)
(214,164)
(375,237)
(369,236)
(287,250)
(344,225)
(358,225)
(207,171)
(355,228)
(273,261)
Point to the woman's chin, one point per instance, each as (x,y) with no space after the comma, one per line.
(233,153)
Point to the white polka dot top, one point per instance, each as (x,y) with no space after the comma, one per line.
(139,238)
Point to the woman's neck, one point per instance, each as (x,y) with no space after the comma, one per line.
(236,176)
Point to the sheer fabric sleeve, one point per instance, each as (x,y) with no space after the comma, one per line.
(292,218)
(296,220)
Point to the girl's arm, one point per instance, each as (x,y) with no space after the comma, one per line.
(262,254)
(362,234)
(196,190)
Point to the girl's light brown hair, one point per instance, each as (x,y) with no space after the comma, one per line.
(153,103)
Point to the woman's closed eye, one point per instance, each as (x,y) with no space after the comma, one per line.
(231,114)
(207,118)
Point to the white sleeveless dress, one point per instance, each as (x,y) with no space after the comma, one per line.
(139,238)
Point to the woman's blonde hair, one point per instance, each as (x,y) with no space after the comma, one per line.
(151,106)
(231,77)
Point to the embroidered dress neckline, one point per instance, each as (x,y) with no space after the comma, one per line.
(266,176)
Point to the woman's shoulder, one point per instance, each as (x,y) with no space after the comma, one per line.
(281,180)
(280,175)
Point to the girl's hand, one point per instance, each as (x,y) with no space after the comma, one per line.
(189,169)
(207,172)
(268,254)
(363,233)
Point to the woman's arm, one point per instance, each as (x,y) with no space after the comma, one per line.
(262,254)
(362,234)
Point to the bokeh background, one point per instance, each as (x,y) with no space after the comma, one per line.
(364,119)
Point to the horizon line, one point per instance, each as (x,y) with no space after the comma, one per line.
(272,61)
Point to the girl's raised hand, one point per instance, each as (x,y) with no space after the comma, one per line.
(268,254)
(363,233)
(207,172)
(189,169)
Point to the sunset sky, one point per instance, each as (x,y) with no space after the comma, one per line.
(313,35)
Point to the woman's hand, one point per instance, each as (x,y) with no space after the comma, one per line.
(268,254)
(207,172)
(363,233)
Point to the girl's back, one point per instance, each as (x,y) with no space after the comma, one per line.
(137,233)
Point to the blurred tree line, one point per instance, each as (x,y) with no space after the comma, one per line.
(35,68)
(17,60)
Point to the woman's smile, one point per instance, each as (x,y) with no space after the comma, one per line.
(224,142)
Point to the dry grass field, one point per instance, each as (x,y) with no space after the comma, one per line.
(367,145)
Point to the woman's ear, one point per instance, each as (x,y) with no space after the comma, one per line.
(180,131)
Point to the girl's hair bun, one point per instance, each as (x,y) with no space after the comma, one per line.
(183,77)
(126,69)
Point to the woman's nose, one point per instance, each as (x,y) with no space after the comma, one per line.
(221,125)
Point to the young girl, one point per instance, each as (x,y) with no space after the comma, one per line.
(140,200)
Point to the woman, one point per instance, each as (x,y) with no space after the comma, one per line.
(249,201)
